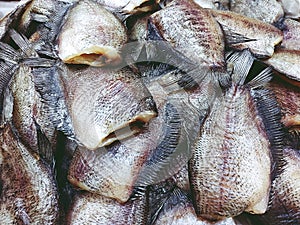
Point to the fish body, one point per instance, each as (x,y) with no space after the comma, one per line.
(28,190)
(97,97)
(89,42)
(287,63)
(242,32)
(291,38)
(199,37)
(269,11)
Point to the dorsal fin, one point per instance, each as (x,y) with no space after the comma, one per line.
(23,43)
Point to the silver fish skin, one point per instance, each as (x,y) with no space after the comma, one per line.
(106,105)
(269,11)
(178,210)
(291,39)
(287,63)
(288,98)
(28,190)
(285,202)
(89,42)
(243,32)
(199,38)
(131,6)
(291,8)
(232,141)
(95,209)
(113,171)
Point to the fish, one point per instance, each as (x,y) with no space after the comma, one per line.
(239,129)
(89,208)
(288,98)
(291,29)
(28,190)
(178,208)
(131,7)
(269,11)
(212,4)
(199,38)
(291,8)
(96,97)
(286,62)
(285,203)
(242,32)
(95,43)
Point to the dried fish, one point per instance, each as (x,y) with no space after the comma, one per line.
(285,202)
(268,11)
(233,141)
(95,209)
(178,209)
(89,42)
(213,4)
(288,97)
(291,8)
(199,37)
(291,39)
(242,32)
(28,190)
(286,62)
(97,97)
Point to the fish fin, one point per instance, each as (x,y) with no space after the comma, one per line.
(270,113)
(241,62)
(8,53)
(233,37)
(261,79)
(23,43)
(47,84)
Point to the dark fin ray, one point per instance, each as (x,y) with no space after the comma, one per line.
(8,53)
(241,62)
(23,43)
(168,154)
(270,113)
(261,79)
(235,38)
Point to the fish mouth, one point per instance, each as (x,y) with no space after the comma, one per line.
(132,127)
(96,56)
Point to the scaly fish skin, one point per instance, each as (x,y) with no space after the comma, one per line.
(28,190)
(95,40)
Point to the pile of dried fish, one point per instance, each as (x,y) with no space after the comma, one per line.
(150,112)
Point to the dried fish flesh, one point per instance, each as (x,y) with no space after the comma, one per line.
(199,38)
(232,142)
(242,32)
(286,62)
(291,8)
(95,40)
(95,209)
(178,209)
(285,202)
(213,4)
(28,190)
(97,97)
(268,11)
(288,98)
(291,39)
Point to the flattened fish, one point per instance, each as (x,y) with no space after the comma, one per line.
(291,39)
(95,209)
(291,8)
(268,11)
(243,32)
(233,141)
(286,62)
(95,40)
(28,191)
(178,209)
(106,105)
(192,31)
(288,98)
(285,192)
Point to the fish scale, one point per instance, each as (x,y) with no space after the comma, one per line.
(173,119)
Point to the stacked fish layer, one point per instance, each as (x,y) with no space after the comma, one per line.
(150,112)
